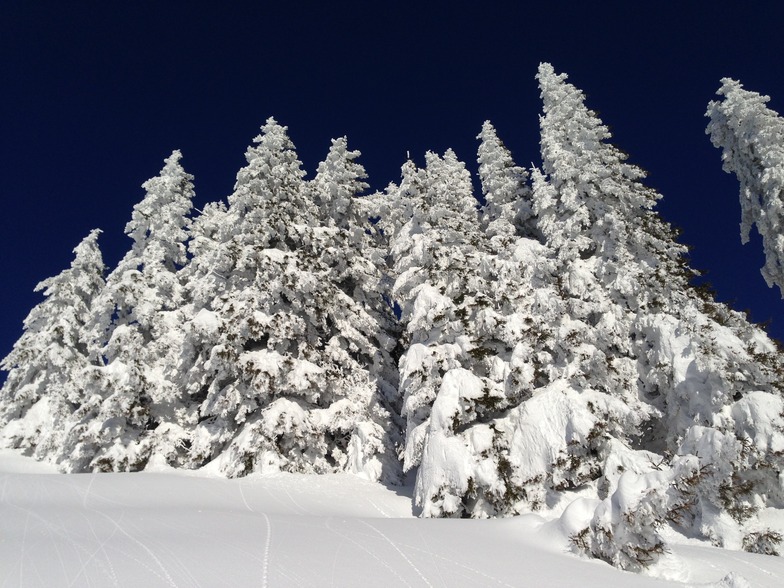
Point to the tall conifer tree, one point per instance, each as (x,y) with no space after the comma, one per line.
(507,210)
(49,362)
(131,395)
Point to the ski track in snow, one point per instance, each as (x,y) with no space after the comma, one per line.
(102,549)
(51,529)
(750,563)
(244,500)
(403,555)
(301,510)
(119,527)
(267,540)
(378,508)
(335,560)
(267,543)
(366,550)
(455,563)
(87,491)
(169,580)
(57,549)
(5,486)
(24,546)
(275,498)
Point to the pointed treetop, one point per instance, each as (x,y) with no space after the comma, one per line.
(273,172)
(450,179)
(84,278)
(338,180)
(503,186)
(162,216)
(568,124)
(274,136)
(87,251)
(589,174)
(448,194)
(87,259)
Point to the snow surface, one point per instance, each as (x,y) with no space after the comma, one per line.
(173,528)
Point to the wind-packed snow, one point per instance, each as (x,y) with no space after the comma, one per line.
(196,529)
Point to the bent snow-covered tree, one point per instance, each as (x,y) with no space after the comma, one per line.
(280,352)
(751,137)
(49,362)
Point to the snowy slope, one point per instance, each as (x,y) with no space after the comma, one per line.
(177,529)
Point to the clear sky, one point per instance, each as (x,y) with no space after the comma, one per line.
(94,95)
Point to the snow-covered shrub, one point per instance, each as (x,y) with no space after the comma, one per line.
(624,530)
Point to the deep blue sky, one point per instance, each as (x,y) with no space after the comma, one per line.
(94,95)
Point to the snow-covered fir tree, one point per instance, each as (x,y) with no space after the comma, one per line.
(507,210)
(48,363)
(131,395)
(751,137)
(434,257)
(483,355)
(355,258)
(281,351)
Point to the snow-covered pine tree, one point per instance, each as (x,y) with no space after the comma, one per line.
(643,365)
(47,364)
(751,137)
(615,257)
(507,211)
(131,402)
(440,262)
(279,346)
(351,249)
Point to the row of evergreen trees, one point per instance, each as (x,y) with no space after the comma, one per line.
(546,342)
